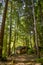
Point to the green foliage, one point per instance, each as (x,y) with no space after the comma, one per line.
(30,51)
(22,24)
(0,5)
(40,60)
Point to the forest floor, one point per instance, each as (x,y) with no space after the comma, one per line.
(23,59)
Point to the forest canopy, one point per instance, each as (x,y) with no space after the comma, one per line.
(21,24)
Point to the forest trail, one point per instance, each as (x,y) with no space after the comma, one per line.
(21,60)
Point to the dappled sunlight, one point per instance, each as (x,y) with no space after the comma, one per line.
(38,64)
(21,32)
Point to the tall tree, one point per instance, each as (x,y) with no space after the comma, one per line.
(35,30)
(10,29)
(2,27)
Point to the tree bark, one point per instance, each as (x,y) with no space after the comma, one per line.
(9,51)
(2,27)
(35,30)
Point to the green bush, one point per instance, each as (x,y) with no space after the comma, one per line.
(40,60)
(30,51)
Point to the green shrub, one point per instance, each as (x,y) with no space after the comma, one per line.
(30,51)
(40,60)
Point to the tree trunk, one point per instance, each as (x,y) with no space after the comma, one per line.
(35,30)
(14,40)
(9,51)
(30,40)
(2,27)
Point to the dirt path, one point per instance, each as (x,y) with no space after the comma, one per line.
(21,60)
